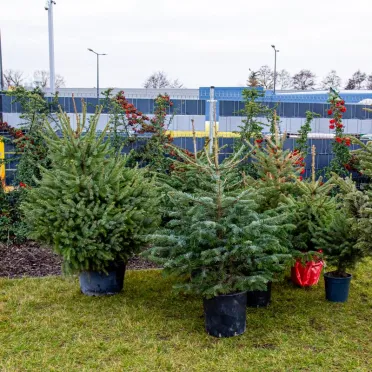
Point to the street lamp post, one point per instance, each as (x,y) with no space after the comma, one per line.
(276,51)
(1,70)
(52,76)
(97,54)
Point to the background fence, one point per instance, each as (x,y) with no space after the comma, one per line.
(323,152)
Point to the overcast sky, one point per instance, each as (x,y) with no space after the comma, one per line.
(201,42)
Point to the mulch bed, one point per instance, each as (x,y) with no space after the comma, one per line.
(32,260)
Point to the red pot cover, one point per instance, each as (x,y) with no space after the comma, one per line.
(307,275)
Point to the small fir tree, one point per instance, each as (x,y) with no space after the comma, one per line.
(89,205)
(311,208)
(301,142)
(216,242)
(256,115)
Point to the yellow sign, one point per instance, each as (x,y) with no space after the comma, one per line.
(2,158)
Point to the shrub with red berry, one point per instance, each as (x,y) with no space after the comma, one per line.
(341,163)
(155,152)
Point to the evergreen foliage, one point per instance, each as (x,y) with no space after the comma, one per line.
(346,238)
(29,137)
(301,142)
(12,226)
(313,207)
(277,170)
(89,205)
(216,242)
(364,157)
(257,117)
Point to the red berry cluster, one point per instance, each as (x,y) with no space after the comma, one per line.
(22,139)
(5,127)
(298,161)
(134,116)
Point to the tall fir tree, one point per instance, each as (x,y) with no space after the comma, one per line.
(88,205)
(216,242)
(313,206)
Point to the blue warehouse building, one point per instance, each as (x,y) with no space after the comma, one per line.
(193,104)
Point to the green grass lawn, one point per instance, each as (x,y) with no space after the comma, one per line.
(47,325)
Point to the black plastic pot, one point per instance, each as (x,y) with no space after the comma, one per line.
(259,298)
(225,315)
(336,288)
(94,283)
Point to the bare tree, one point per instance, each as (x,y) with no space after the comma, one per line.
(266,77)
(13,78)
(369,82)
(356,81)
(176,84)
(304,80)
(283,79)
(42,77)
(159,80)
(332,80)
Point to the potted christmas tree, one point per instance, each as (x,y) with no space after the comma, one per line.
(216,242)
(277,170)
(345,239)
(312,206)
(89,206)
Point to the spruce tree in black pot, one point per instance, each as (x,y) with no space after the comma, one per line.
(216,242)
(277,170)
(89,206)
(346,239)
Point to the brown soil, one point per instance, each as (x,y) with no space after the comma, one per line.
(32,260)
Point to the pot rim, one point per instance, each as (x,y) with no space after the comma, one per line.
(226,295)
(326,275)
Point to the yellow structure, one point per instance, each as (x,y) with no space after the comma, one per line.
(2,158)
(201,134)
